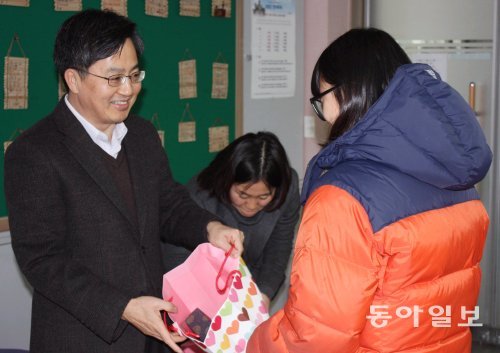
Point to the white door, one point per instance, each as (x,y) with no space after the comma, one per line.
(459,39)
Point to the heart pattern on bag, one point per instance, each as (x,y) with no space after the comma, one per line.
(233,296)
(244,315)
(225,344)
(253,289)
(216,323)
(242,269)
(262,308)
(227,310)
(236,319)
(248,302)
(210,339)
(237,282)
(234,328)
(240,347)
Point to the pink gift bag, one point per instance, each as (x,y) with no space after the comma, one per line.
(218,304)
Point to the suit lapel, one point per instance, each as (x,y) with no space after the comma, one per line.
(85,152)
(138,175)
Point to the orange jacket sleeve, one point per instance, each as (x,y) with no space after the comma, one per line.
(333,280)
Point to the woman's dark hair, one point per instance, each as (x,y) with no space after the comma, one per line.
(92,35)
(360,63)
(250,158)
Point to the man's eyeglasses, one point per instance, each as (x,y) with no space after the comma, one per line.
(317,103)
(118,80)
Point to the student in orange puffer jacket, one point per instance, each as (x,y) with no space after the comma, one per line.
(388,251)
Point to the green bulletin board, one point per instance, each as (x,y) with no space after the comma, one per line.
(166,41)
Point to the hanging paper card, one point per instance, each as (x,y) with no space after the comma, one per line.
(161,133)
(218,138)
(189,8)
(187,129)
(24,3)
(7,143)
(158,8)
(61,88)
(219,80)
(118,6)
(67,5)
(221,8)
(187,79)
(15,81)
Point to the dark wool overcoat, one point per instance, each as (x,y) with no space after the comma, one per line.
(77,242)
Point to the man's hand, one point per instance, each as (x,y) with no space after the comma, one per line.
(223,237)
(144,314)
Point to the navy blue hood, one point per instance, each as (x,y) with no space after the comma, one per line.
(420,126)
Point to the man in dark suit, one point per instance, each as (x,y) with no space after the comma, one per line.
(90,194)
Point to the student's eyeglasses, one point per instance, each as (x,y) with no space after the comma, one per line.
(317,103)
(118,80)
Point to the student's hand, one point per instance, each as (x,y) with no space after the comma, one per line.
(144,314)
(223,237)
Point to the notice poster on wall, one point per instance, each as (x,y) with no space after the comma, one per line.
(273,48)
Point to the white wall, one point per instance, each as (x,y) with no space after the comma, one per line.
(15,300)
(282,116)
(324,21)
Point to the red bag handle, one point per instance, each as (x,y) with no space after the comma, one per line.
(168,322)
(231,274)
(170,325)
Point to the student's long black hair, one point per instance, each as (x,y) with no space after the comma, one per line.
(360,63)
(250,158)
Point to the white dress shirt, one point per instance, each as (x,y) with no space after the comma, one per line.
(100,138)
